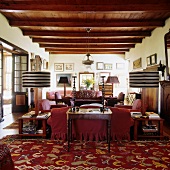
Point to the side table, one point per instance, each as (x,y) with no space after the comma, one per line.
(34,118)
(138,125)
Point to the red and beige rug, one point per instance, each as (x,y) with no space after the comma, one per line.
(42,154)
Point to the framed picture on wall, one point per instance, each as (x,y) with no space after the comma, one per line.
(106,74)
(58,67)
(99,65)
(137,63)
(68,67)
(83,76)
(108,66)
(148,61)
(153,59)
(69,76)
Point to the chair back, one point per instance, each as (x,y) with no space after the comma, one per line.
(120,123)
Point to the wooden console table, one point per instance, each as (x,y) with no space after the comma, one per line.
(34,118)
(138,124)
(90,113)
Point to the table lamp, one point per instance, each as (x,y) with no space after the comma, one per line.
(112,80)
(63,80)
(144,80)
(36,79)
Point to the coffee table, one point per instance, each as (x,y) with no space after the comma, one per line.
(91,113)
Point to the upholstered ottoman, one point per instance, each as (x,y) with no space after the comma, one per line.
(6,162)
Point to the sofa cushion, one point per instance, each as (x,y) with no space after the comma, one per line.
(58,95)
(137,104)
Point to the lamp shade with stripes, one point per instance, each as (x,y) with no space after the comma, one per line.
(141,79)
(35,79)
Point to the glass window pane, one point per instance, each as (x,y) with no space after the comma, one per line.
(17,81)
(23,59)
(17,59)
(24,67)
(17,74)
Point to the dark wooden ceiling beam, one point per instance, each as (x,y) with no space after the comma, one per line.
(85,46)
(94,41)
(78,52)
(112,7)
(84,34)
(83,50)
(96,23)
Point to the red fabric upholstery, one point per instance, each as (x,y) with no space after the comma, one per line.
(91,129)
(59,123)
(135,107)
(121,123)
(6,162)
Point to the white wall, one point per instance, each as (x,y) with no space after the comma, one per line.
(79,67)
(15,36)
(150,45)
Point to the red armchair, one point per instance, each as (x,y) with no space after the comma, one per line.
(91,129)
(135,107)
(120,124)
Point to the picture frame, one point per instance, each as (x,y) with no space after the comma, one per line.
(99,65)
(83,76)
(137,63)
(148,61)
(153,59)
(68,75)
(44,64)
(106,74)
(108,66)
(68,66)
(58,67)
(120,66)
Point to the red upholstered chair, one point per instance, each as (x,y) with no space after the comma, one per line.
(58,123)
(137,105)
(6,162)
(120,124)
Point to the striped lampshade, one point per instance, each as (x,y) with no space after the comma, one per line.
(33,79)
(141,79)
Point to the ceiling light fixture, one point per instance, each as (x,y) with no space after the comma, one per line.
(88,58)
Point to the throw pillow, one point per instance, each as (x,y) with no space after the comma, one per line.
(58,95)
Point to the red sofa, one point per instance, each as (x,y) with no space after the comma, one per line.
(91,129)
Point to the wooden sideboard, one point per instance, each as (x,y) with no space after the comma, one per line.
(165,100)
(108,89)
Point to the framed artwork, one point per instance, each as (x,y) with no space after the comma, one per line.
(45,64)
(137,63)
(69,76)
(106,74)
(99,65)
(107,66)
(120,66)
(58,67)
(83,76)
(68,67)
(153,59)
(148,61)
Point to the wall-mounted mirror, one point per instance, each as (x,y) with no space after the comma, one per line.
(167,53)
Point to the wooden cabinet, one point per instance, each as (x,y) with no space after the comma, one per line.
(108,89)
(165,100)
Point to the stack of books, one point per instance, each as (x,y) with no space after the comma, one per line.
(152,115)
(43,115)
(150,128)
(29,114)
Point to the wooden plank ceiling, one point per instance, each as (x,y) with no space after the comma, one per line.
(60,26)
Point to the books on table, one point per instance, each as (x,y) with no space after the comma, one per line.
(43,115)
(152,115)
(136,114)
(29,114)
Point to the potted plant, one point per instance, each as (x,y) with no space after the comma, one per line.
(88,82)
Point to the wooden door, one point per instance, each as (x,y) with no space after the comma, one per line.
(20,94)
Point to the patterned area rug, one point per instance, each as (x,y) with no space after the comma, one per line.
(36,154)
